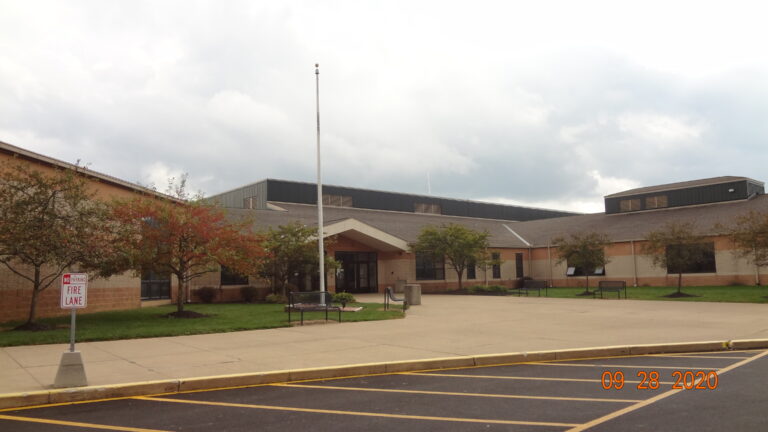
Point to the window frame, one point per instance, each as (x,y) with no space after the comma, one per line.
(228,277)
(428,267)
(707,265)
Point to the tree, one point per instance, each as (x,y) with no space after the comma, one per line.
(676,246)
(289,250)
(585,251)
(749,233)
(184,237)
(458,245)
(49,223)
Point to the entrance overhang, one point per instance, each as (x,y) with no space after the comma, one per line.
(366,234)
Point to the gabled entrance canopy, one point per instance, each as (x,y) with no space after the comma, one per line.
(366,234)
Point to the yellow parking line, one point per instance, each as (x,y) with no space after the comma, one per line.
(359,413)
(699,356)
(437,393)
(654,399)
(523,378)
(650,367)
(77,424)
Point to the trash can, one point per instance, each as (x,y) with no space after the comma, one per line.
(412,294)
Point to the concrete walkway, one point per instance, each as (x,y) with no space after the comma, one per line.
(442,326)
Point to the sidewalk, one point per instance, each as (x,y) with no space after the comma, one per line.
(443,326)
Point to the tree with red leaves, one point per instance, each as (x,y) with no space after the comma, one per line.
(187,238)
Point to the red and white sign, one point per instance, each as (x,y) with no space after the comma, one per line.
(74,290)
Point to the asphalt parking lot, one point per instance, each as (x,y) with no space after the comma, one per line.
(669,392)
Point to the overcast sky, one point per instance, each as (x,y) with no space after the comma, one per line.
(542,103)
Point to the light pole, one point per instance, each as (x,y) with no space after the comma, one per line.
(320,248)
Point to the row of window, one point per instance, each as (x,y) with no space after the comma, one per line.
(652,202)
(428,268)
(704,264)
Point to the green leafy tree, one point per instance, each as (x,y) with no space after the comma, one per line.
(458,245)
(289,250)
(50,223)
(585,251)
(749,233)
(185,237)
(676,246)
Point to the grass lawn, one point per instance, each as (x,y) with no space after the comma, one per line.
(735,294)
(150,322)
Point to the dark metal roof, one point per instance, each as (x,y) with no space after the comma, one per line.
(682,185)
(504,234)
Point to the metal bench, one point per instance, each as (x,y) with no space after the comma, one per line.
(311,301)
(610,286)
(532,285)
(389,296)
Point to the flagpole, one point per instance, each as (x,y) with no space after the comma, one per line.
(321,249)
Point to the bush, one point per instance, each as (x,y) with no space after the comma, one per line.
(249,293)
(206,294)
(343,298)
(277,298)
(490,289)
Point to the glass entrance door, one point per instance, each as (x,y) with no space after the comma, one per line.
(357,272)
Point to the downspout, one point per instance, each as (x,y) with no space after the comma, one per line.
(549,261)
(757,270)
(634,261)
(530,261)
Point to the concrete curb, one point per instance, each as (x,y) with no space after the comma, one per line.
(72,395)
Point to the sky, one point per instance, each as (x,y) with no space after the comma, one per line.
(548,104)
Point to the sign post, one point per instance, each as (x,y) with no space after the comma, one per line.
(74,295)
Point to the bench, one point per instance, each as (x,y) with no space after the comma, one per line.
(610,286)
(532,285)
(389,296)
(311,301)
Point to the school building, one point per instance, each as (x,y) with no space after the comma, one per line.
(373,229)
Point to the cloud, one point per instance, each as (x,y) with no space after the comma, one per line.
(500,100)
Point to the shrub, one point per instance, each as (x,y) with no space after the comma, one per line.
(277,298)
(490,289)
(249,293)
(343,298)
(206,294)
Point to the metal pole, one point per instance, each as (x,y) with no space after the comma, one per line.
(72,331)
(320,248)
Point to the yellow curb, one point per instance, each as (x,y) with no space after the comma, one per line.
(678,347)
(609,351)
(499,359)
(113,391)
(13,400)
(234,380)
(338,371)
(438,363)
(748,343)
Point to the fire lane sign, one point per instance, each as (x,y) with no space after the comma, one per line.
(74,290)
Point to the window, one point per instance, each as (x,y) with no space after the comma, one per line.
(249,202)
(698,258)
(471,271)
(658,201)
(229,277)
(337,200)
(427,208)
(429,268)
(629,205)
(578,271)
(496,257)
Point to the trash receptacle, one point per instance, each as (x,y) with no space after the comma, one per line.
(412,294)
